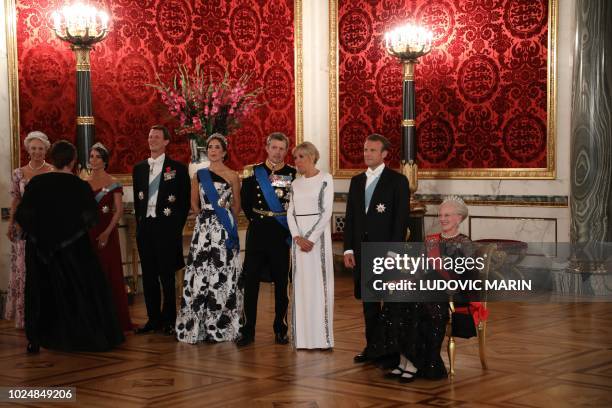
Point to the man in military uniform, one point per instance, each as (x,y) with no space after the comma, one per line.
(265,198)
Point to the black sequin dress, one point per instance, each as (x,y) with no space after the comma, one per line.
(417,329)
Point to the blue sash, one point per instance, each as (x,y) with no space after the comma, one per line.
(270,196)
(106,190)
(211,192)
(154,185)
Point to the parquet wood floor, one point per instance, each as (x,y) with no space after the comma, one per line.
(540,355)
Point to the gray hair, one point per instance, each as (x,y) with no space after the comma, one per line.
(458,204)
(37,134)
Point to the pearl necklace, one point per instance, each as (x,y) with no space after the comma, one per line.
(449,236)
(37,168)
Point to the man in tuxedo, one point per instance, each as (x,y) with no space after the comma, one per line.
(265,198)
(377,210)
(161,203)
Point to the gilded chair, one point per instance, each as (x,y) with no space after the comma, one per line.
(493,258)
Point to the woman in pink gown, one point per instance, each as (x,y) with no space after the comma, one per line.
(104,235)
(36,144)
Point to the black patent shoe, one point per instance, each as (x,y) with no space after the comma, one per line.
(407,377)
(281,338)
(147,328)
(33,348)
(244,341)
(361,357)
(395,373)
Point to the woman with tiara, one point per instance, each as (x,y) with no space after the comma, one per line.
(36,144)
(212,301)
(104,234)
(416,330)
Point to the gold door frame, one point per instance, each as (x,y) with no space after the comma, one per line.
(126,179)
(452,173)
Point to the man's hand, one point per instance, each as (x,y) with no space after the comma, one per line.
(349,260)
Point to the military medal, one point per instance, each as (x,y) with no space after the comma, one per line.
(105,209)
(279,192)
(380,208)
(167,212)
(141,195)
(171,198)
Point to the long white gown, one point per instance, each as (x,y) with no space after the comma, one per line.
(309,215)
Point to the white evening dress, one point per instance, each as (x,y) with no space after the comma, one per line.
(309,215)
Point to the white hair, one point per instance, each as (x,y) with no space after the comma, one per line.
(37,134)
(458,204)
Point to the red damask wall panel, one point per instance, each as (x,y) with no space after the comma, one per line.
(481,92)
(153,36)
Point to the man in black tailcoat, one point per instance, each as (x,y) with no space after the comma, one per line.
(161,203)
(377,210)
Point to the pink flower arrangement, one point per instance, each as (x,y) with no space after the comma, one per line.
(204,107)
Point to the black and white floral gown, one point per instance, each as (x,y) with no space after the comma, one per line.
(212,301)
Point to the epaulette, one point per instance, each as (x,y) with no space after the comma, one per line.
(248,170)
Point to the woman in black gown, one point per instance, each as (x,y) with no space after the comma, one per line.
(68,302)
(415,331)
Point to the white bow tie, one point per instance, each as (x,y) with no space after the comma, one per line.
(151,161)
(370,172)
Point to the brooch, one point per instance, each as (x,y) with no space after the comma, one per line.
(380,208)
(171,198)
(141,195)
(105,209)
(167,212)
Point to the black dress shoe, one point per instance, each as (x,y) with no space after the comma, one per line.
(147,328)
(361,357)
(281,338)
(33,348)
(407,377)
(169,330)
(244,341)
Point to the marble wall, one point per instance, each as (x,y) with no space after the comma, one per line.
(528,223)
(5,149)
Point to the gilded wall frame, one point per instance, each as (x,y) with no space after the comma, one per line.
(126,179)
(452,173)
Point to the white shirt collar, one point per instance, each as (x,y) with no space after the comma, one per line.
(160,160)
(376,172)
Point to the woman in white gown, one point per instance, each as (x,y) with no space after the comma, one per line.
(309,215)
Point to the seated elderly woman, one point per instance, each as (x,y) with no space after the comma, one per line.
(416,330)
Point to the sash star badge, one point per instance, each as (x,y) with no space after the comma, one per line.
(167,212)
(105,209)
(380,208)
(171,198)
(141,195)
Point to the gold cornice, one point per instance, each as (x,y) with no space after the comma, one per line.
(334,148)
(13,80)
(298,69)
(547,173)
